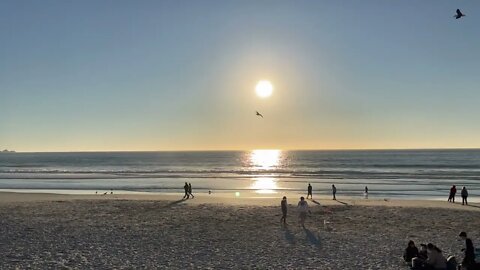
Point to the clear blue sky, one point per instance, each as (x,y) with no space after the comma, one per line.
(179,75)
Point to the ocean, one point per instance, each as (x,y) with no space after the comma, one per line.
(425,174)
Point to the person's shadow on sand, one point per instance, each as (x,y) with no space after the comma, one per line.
(344,203)
(315,202)
(311,238)
(170,204)
(288,234)
(472,205)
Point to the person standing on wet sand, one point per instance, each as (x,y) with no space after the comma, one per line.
(283,204)
(366,192)
(309,191)
(464,195)
(190,190)
(334,192)
(185,187)
(303,209)
(453,191)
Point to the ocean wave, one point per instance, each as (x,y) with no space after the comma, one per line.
(231,174)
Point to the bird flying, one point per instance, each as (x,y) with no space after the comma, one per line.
(258,114)
(459,14)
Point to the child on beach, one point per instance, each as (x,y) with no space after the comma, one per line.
(283,204)
(303,209)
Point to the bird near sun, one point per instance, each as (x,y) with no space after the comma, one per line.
(459,14)
(264,88)
(258,114)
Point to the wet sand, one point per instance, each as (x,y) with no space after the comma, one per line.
(43,231)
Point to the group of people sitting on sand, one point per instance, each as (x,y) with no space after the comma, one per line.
(453,192)
(430,257)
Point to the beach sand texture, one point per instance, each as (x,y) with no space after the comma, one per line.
(116,232)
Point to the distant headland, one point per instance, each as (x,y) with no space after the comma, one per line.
(7,151)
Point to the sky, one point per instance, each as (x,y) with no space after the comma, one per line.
(180,75)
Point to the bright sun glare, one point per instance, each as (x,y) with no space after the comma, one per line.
(265,159)
(264,89)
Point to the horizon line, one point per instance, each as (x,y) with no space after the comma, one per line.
(244,150)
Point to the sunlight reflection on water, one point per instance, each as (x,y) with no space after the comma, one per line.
(265,160)
(264,185)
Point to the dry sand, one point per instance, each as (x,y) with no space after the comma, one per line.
(46,231)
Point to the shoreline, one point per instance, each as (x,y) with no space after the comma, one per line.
(226,199)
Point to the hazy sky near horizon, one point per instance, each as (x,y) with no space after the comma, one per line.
(180,75)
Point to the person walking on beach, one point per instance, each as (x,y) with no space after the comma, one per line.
(334,192)
(185,187)
(469,259)
(309,191)
(190,190)
(366,192)
(303,209)
(283,204)
(464,196)
(453,191)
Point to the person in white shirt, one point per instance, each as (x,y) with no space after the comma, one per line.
(303,209)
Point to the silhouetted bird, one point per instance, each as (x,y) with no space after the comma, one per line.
(459,14)
(259,114)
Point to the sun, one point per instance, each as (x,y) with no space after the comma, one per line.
(264,89)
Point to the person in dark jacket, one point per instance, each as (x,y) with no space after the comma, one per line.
(464,195)
(410,252)
(334,192)
(283,204)
(469,259)
(453,191)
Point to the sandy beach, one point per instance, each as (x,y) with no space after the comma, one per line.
(44,231)
(111,111)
